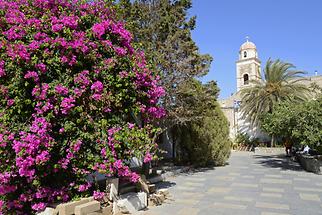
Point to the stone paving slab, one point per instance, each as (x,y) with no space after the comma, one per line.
(252,184)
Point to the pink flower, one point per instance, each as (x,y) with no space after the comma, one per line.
(123,74)
(134,177)
(147,157)
(64,59)
(156,112)
(61,89)
(14,33)
(77,145)
(73,61)
(78,92)
(103,152)
(33,75)
(23,198)
(130,125)
(1,205)
(97,96)
(97,87)
(42,67)
(39,206)
(82,188)
(2,144)
(98,195)
(82,78)
(107,110)
(120,51)
(34,45)
(10,102)
(2,72)
(4,189)
(67,104)
(57,27)
(42,157)
(98,30)
(118,164)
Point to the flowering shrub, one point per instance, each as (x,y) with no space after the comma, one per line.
(75,97)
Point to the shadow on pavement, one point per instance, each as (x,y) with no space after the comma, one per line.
(196,170)
(278,161)
(165,184)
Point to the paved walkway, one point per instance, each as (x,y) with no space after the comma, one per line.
(251,184)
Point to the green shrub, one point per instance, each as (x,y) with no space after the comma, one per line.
(243,139)
(299,122)
(206,141)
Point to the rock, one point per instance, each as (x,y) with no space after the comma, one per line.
(143,186)
(48,211)
(107,210)
(69,208)
(164,192)
(151,201)
(158,198)
(84,209)
(159,171)
(113,183)
(132,202)
(152,188)
(103,211)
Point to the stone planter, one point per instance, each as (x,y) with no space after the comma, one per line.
(85,206)
(69,207)
(310,163)
(88,205)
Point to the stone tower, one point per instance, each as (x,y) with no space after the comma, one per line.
(248,66)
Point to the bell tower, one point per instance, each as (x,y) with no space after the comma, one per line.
(248,66)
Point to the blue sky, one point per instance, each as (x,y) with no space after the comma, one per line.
(287,29)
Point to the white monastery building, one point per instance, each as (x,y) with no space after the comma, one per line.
(248,68)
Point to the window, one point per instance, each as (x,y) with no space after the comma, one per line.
(245,54)
(246,79)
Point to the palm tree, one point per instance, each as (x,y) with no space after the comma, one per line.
(281,82)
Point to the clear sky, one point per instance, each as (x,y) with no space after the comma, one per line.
(287,29)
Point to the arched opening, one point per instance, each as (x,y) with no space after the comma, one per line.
(246,79)
(245,54)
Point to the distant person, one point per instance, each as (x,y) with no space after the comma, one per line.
(306,149)
(288,147)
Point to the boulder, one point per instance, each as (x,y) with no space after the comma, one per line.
(90,207)
(69,207)
(48,211)
(132,202)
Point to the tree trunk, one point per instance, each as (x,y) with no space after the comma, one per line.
(273,141)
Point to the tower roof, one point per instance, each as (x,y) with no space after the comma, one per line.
(247,45)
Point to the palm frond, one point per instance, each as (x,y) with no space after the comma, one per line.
(281,82)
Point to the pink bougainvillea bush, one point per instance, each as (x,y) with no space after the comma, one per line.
(75,97)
